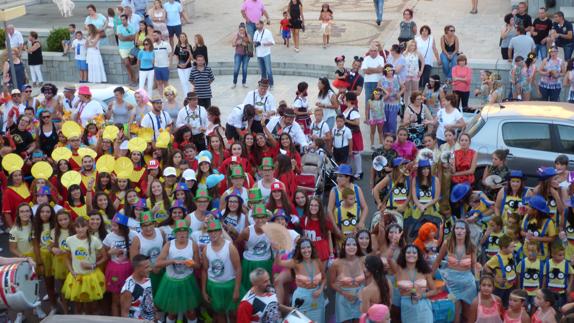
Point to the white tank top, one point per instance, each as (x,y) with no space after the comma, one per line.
(151,247)
(265,192)
(220,266)
(179,271)
(258,247)
(195,224)
(168,231)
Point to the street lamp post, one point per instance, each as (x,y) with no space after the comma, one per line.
(5,16)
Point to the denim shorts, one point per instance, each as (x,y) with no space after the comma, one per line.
(174,30)
(286,33)
(161,73)
(81,65)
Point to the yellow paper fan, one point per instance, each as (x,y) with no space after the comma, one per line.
(61,153)
(42,170)
(137,144)
(71,129)
(110,133)
(123,167)
(86,151)
(146,134)
(70,178)
(105,164)
(163,139)
(12,163)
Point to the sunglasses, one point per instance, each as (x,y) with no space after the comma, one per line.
(28,91)
(46,117)
(452,30)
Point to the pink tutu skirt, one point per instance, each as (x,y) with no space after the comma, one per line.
(116,275)
(376,122)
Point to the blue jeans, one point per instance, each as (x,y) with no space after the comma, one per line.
(379,9)
(369,88)
(240,61)
(265,68)
(447,64)
(250,27)
(541,51)
(568,50)
(552,95)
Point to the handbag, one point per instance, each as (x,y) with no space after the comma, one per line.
(249,49)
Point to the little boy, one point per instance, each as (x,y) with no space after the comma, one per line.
(491,238)
(503,267)
(530,271)
(285,31)
(559,273)
(67,43)
(342,141)
(348,212)
(319,128)
(80,51)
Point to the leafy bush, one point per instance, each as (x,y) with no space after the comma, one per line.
(2,39)
(55,38)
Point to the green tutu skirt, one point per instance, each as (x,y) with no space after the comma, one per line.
(247,266)
(221,295)
(177,295)
(156,280)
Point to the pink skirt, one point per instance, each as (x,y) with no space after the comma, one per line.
(358,142)
(376,122)
(116,275)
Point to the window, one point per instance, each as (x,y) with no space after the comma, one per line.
(566,140)
(535,136)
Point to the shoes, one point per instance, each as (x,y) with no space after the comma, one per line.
(234,86)
(378,22)
(19,318)
(473,12)
(244,85)
(296,50)
(39,312)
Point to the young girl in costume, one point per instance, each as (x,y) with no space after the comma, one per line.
(58,235)
(44,221)
(85,283)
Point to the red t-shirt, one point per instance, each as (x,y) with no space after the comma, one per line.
(284,24)
(312,231)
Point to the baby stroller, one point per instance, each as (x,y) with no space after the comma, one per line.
(317,171)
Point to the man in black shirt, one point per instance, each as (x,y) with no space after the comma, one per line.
(563,34)
(540,29)
(20,139)
(522,18)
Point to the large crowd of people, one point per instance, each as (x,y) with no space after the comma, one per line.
(165,210)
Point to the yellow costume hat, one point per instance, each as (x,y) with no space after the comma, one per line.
(70,178)
(137,144)
(123,167)
(146,134)
(86,151)
(106,164)
(163,139)
(61,153)
(12,163)
(71,129)
(42,170)
(110,133)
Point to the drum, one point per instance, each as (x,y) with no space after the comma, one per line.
(296,317)
(19,287)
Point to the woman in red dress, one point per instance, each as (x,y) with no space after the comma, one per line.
(464,162)
(16,193)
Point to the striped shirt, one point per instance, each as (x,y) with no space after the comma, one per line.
(201,81)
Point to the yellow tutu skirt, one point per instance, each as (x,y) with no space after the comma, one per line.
(85,287)
(59,268)
(48,261)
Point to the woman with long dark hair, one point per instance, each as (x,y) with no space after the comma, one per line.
(310,279)
(512,195)
(76,202)
(318,227)
(415,282)
(296,20)
(327,101)
(459,277)
(378,289)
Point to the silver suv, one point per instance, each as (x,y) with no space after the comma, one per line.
(534,132)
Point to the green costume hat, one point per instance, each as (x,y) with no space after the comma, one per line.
(213,225)
(201,194)
(237,172)
(180,225)
(254,195)
(267,162)
(259,211)
(146,217)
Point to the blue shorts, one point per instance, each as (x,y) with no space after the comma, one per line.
(81,65)
(286,34)
(174,30)
(161,73)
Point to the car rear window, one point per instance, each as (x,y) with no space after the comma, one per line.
(566,138)
(527,135)
(474,125)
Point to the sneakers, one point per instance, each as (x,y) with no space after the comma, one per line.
(19,318)
(234,86)
(39,312)
(244,85)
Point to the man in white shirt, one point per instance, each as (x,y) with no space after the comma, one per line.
(240,119)
(88,109)
(174,18)
(372,68)
(263,40)
(156,119)
(195,117)
(285,124)
(69,99)
(15,37)
(161,50)
(264,103)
